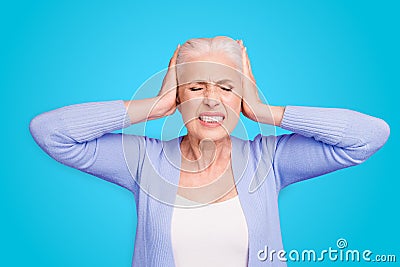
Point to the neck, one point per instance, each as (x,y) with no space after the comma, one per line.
(200,154)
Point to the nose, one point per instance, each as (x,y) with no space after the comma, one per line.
(211,97)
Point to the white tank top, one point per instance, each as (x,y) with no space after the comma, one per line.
(209,235)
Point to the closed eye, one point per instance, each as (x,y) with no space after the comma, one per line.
(199,88)
(226,88)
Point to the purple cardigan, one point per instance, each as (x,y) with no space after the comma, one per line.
(323,140)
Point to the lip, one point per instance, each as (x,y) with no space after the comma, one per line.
(211,124)
(208,113)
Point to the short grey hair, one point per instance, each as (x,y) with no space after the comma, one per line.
(199,46)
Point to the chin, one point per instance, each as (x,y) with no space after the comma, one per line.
(200,131)
(214,134)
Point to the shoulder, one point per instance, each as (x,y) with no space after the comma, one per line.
(132,142)
(152,145)
(264,143)
(258,144)
(255,156)
(261,147)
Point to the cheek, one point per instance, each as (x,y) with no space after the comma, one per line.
(233,108)
(188,108)
(234,104)
(233,116)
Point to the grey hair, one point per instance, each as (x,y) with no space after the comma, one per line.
(200,46)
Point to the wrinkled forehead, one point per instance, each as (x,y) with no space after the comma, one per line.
(194,71)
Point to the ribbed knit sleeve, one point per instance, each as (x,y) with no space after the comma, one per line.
(324,140)
(80,136)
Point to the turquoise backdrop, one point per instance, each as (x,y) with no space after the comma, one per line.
(314,53)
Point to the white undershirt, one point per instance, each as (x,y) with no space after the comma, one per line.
(209,235)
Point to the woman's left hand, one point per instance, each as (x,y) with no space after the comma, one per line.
(252,106)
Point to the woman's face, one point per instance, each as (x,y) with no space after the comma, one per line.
(210,96)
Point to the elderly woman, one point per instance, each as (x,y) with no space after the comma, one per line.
(232,185)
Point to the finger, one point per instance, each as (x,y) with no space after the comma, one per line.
(244,62)
(248,60)
(240,42)
(176,51)
(243,53)
(172,61)
(248,69)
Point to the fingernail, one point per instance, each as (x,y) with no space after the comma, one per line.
(179,45)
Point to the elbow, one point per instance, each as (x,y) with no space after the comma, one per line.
(385,128)
(39,130)
(378,136)
(44,130)
(370,141)
(48,132)
(386,131)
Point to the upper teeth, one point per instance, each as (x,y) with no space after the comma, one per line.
(211,118)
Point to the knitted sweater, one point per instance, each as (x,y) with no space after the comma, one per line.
(323,140)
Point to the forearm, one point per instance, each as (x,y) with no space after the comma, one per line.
(80,136)
(65,133)
(268,114)
(144,109)
(360,134)
(324,140)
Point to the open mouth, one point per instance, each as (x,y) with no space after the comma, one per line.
(212,119)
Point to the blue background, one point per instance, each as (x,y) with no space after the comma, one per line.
(313,53)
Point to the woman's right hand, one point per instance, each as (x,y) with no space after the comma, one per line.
(164,104)
(166,97)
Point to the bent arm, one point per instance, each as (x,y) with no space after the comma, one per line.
(80,136)
(324,140)
(147,109)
